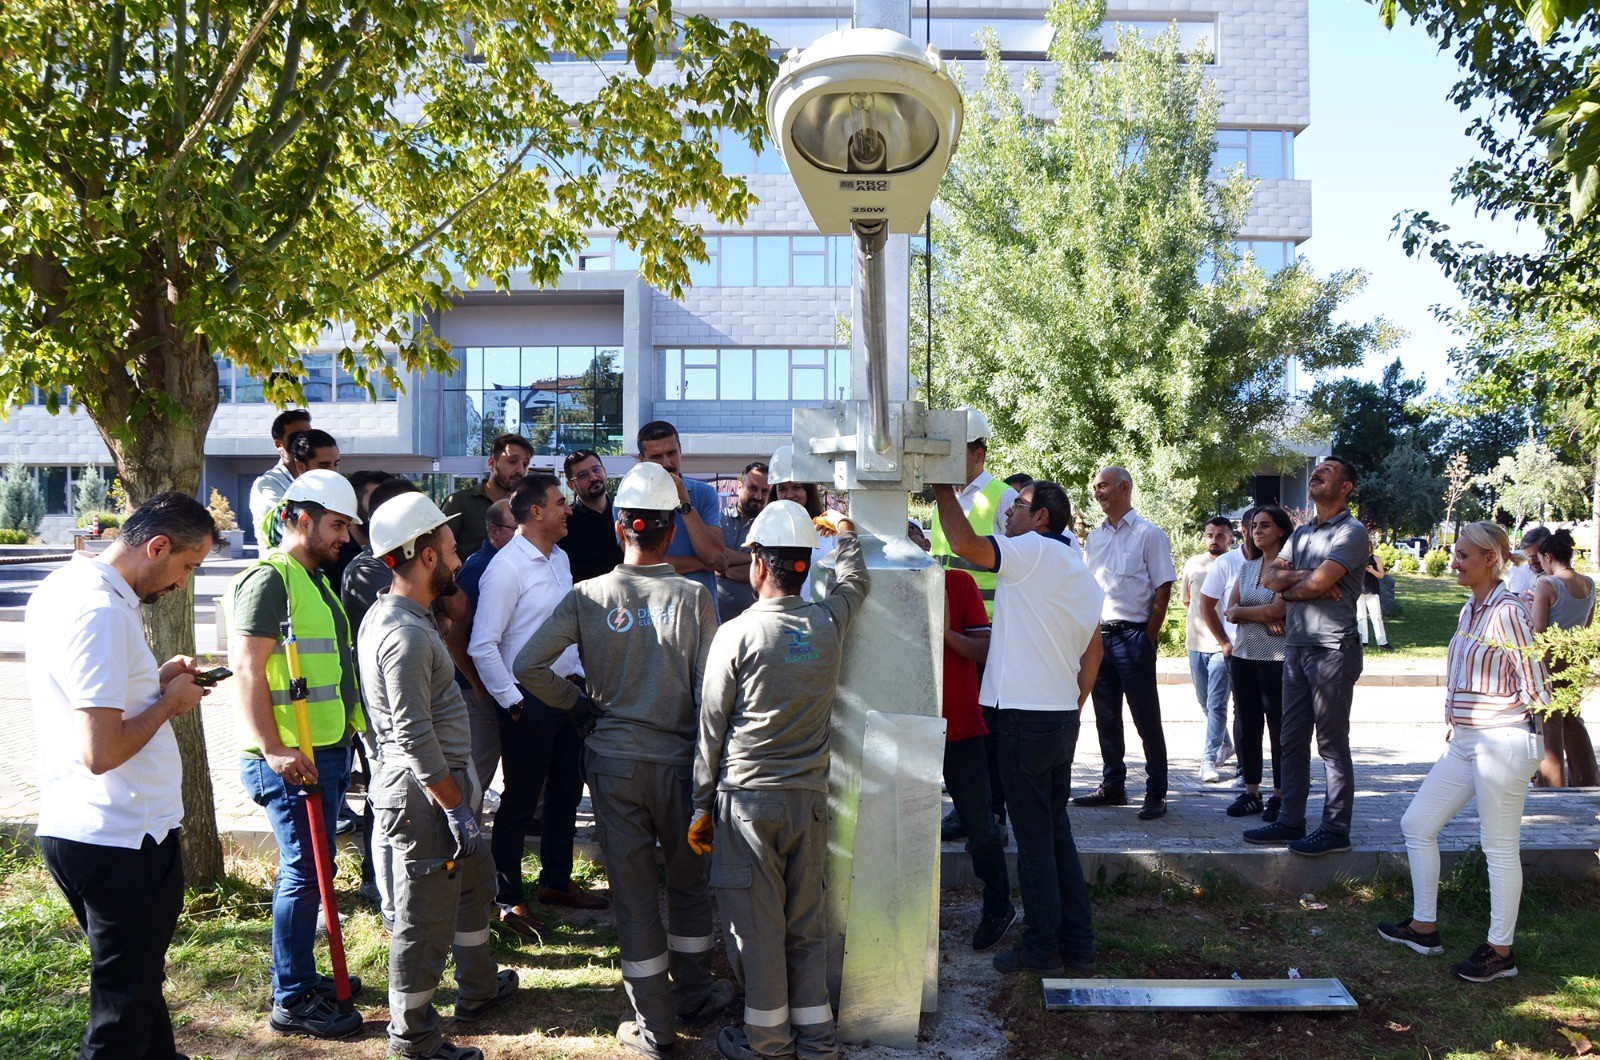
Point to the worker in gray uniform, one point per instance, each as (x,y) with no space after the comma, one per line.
(642,633)
(425,791)
(761,774)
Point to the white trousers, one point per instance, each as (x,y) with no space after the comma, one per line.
(1369,608)
(1495,766)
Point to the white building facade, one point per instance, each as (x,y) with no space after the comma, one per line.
(585,364)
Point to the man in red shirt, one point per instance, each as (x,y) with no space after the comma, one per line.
(966,769)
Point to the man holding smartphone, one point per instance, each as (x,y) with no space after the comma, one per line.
(110,799)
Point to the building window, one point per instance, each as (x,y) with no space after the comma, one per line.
(1195,37)
(1271,255)
(745,374)
(325,381)
(560,398)
(1265,154)
(749,260)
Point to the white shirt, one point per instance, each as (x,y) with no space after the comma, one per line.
(86,651)
(1130,562)
(268,489)
(1219,584)
(1046,609)
(969,496)
(1520,580)
(520,587)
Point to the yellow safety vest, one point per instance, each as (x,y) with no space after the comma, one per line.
(984,518)
(317,635)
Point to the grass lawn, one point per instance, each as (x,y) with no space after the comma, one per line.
(1153,927)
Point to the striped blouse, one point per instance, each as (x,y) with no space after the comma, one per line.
(1489,683)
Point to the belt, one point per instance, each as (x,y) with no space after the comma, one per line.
(1120,626)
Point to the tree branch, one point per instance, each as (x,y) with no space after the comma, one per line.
(280,95)
(180,58)
(114,51)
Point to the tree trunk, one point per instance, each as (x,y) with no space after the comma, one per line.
(1594,513)
(154,454)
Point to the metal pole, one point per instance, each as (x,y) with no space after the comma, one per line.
(871,236)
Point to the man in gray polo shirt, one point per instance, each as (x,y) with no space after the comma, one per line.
(1318,574)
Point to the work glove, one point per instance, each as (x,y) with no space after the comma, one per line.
(827,523)
(700,833)
(468,836)
(586,714)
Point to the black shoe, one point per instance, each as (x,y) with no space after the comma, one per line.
(1426,943)
(1152,809)
(1485,966)
(472,1011)
(992,929)
(1078,965)
(311,1015)
(324,987)
(1012,961)
(1102,796)
(950,828)
(734,1044)
(1320,842)
(445,1051)
(1246,805)
(1275,834)
(630,1034)
(1270,814)
(723,993)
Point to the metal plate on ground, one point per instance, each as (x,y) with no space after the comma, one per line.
(1198,995)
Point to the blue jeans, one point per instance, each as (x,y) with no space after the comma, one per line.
(1035,750)
(1211,686)
(295,898)
(966,777)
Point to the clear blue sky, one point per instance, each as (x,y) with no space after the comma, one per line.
(1383,138)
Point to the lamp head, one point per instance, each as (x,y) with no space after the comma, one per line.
(867,123)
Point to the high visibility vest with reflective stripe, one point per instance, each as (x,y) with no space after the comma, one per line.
(984,518)
(317,638)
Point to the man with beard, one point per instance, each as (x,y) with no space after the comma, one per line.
(315,518)
(1208,663)
(591,542)
(426,792)
(269,486)
(539,748)
(734,592)
(109,772)
(509,456)
(696,551)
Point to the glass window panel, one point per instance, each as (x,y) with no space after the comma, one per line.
(1226,158)
(772,375)
(809,244)
(381,388)
(809,358)
(737,156)
(808,270)
(53,484)
(809,384)
(671,374)
(345,388)
(246,389)
(737,375)
(625,258)
(839,372)
(462,422)
(843,260)
(1288,155)
(700,358)
(738,261)
(576,362)
(538,366)
(224,381)
(704,273)
(1270,255)
(772,261)
(1266,154)
(469,368)
(318,380)
(502,367)
(699,384)
(594,263)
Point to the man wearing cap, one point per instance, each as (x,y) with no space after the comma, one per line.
(642,633)
(696,550)
(426,793)
(286,583)
(734,592)
(761,782)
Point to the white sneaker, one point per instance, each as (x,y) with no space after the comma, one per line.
(1208,772)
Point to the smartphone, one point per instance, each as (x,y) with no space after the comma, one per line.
(207,678)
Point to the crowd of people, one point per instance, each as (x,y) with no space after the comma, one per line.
(672,656)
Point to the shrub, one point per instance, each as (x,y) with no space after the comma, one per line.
(222,512)
(1408,564)
(21,503)
(14,537)
(108,519)
(1389,555)
(1435,563)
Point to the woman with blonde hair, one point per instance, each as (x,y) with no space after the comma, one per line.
(1491,683)
(1563,599)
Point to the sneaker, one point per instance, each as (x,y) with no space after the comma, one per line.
(1208,772)
(444,1051)
(311,1014)
(1426,943)
(734,1044)
(991,929)
(505,985)
(1246,805)
(630,1034)
(1102,796)
(1224,754)
(1485,966)
(1078,965)
(1269,815)
(325,990)
(722,995)
(1014,960)
(1320,842)
(1274,834)
(1152,809)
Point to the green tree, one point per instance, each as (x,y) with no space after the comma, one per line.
(226,177)
(21,503)
(1067,290)
(1534,482)
(1371,420)
(91,492)
(1406,493)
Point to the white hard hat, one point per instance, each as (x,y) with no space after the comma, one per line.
(783,524)
(399,521)
(781,469)
(647,487)
(327,488)
(977,427)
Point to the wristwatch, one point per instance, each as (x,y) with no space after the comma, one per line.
(686,507)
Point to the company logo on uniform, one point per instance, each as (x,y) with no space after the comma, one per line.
(620,620)
(800,649)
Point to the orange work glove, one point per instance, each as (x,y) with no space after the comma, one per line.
(700,835)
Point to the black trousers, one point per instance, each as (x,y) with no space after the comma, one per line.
(539,751)
(1128,671)
(127,902)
